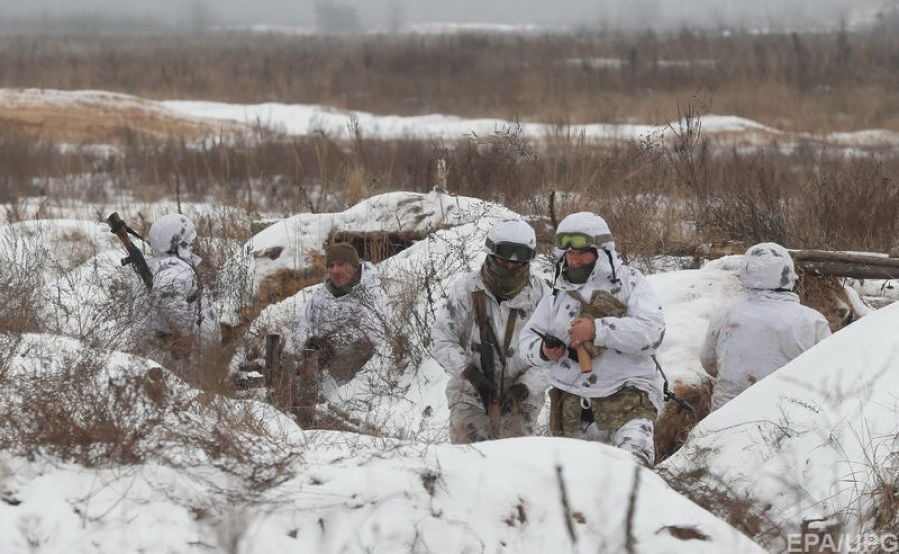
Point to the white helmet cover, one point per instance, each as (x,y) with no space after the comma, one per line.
(173,234)
(590,224)
(506,239)
(768,265)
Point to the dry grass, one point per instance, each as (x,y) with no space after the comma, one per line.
(106,124)
(674,424)
(809,82)
(715,496)
(828,296)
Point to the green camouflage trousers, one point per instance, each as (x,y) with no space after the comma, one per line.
(624,419)
(609,413)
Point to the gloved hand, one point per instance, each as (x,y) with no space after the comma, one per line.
(515,395)
(323,346)
(479,381)
(604,304)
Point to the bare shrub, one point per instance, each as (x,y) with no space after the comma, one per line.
(847,204)
(20,280)
(713,494)
(93,408)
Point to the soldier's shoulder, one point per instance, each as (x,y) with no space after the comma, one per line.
(171,268)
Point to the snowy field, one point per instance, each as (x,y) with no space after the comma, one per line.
(225,120)
(810,441)
(152,463)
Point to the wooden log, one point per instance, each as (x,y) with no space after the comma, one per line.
(846,264)
(847,269)
(307,388)
(844,257)
(278,377)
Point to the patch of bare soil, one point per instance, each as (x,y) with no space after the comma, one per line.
(674,423)
(110,119)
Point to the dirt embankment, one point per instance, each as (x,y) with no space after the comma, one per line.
(93,117)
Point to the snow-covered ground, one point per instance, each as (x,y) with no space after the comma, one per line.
(812,440)
(327,491)
(306,119)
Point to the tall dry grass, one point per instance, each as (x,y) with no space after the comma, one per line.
(660,196)
(810,81)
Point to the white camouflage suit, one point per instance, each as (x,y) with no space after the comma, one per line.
(177,307)
(630,340)
(456,344)
(759,333)
(352,325)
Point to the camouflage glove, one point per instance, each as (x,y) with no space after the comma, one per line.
(480,382)
(516,394)
(323,346)
(602,304)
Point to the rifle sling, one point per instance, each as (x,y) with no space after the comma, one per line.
(487,333)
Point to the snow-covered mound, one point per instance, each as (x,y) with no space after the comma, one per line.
(290,246)
(289,243)
(355,494)
(815,439)
(519,495)
(146,452)
(689,298)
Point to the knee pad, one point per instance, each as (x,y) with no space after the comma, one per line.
(636,436)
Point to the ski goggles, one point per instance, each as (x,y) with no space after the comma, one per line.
(511,251)
(575,241)
(579,241)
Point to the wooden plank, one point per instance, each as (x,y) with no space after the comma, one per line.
(307,388)
(844,258)
(278,377)
(847,269)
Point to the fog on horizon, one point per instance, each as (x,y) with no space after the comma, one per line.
(397,14)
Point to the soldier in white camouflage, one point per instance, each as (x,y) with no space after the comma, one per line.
(608,323)
(492,392)
(762,331)
(176,319)
(345,319)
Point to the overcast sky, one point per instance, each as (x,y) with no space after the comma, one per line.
(382,13)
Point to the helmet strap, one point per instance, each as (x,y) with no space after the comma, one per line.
(614,278)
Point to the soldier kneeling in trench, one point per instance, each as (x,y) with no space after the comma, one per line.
(343,322)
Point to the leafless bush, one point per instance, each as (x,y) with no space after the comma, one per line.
(847,205)
(713,494)
(85,406)
(20,281)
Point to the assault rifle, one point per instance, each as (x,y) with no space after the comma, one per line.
(135,257)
